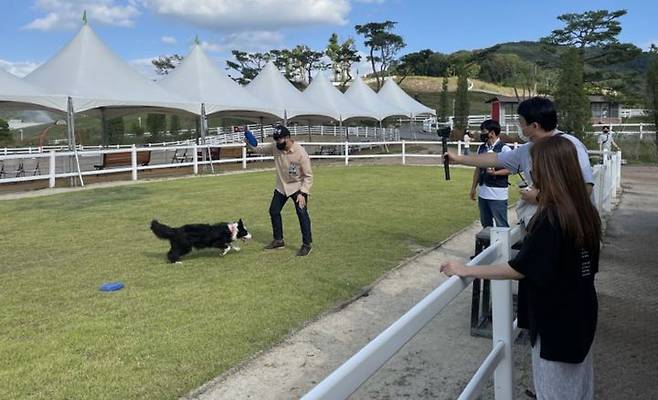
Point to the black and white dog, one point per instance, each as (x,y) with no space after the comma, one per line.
(184,238)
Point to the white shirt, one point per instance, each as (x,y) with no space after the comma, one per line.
(494,193)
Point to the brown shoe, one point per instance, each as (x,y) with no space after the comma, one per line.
(304,250)
(275,244)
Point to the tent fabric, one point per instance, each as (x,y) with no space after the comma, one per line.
(362,94)
(392,94)
(322,91)
(93,76)
(197,79)
(15,90)
(271,86)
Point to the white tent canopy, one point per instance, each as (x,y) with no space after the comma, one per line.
(271,86)
(197,79)
(322,91)
(94,77)
(23,94)
(361,94)
(392,94)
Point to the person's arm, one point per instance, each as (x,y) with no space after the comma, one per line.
(495,271)
(261,148)
(483,160)
(498,172)
(474,185)
(307,179)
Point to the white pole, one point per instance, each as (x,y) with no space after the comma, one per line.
(195,161)
(244,156)
(404,154)
(133,161)
(51,170)
(347,153)
(501,295)
(72,144)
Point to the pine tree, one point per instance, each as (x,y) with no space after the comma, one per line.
(5,134)
(570,98)
(462,105)
(444,104)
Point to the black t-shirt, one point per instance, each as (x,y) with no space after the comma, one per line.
(557,299)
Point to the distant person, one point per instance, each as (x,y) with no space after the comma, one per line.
(537,120)
(491,183)
(557,300)
(467,143)
(294,178)
(606,141)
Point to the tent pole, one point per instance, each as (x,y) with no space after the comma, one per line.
(340,129)
(104,139)
(262,131)
(310,138)
(72,145)
(285,118)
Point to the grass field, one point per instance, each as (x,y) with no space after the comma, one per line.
(174,327)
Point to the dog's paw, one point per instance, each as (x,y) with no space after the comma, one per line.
(224,251)
(178,263)
(235,248)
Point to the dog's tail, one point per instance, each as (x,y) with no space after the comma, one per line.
(161,230)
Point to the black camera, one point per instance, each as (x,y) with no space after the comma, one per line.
(444,132)
(484,137)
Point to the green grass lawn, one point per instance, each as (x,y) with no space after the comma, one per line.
(174,327)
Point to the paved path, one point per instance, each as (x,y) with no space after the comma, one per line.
(438,363)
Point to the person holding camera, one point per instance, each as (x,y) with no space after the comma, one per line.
(294,178)
(557,300)
(467,142)
(491,183)
(537,120)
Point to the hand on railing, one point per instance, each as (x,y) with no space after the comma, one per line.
(450,268)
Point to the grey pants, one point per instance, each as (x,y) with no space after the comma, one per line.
(562,381)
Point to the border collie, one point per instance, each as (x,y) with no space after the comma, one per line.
(184,238)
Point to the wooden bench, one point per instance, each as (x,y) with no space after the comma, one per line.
(124,158)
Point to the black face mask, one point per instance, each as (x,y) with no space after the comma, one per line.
(281,146)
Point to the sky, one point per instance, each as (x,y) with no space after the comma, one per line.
(140,30)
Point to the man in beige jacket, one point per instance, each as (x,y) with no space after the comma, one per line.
(294,178)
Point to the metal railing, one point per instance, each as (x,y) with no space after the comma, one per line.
(347,378)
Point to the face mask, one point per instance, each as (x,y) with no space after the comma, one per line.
(281,146)
(520,134)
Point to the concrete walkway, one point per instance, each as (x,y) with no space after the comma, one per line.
(438,363)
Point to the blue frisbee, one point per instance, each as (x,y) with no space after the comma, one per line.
(251,139)
(111,287)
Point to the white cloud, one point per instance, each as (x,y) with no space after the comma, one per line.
(18,68)
(67,14)
(168,40)
(247,41)
(145,67)
(225,15)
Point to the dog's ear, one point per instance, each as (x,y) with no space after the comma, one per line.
(240,221)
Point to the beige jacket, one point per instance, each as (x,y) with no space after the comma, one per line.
(293,168)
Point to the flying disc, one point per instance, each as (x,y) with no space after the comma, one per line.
(111,286)
(251,139)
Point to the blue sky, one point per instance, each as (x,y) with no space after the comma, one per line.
(139,30)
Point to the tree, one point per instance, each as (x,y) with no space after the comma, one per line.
(115,130)
(570,97)
(342,56)
(594,34)
(5,134)
(652,88)
(164,64)
(306,61)
(174,124)
(462,104)
(248,65)
(380,40)
(444,105)
(156,125)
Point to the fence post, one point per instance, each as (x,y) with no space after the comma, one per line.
(501,296)
(459,147)
(195,161)
(244,156)
(51,170)
(347,150)
(133,161)
(642,130)
(404,153)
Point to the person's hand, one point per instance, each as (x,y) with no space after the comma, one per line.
(453,157)
(451,268)
(491,171)
(472,194)
(301,201)
(529,194)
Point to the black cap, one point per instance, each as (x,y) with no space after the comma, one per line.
(280,131)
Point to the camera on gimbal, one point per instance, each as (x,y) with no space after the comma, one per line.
(444,132)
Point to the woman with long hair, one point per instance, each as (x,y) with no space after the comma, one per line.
(555,267)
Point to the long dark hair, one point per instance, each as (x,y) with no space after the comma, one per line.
(562,193)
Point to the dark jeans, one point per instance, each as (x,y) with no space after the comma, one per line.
(278,201)
(493,210)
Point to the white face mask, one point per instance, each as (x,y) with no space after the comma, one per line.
(519,132)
